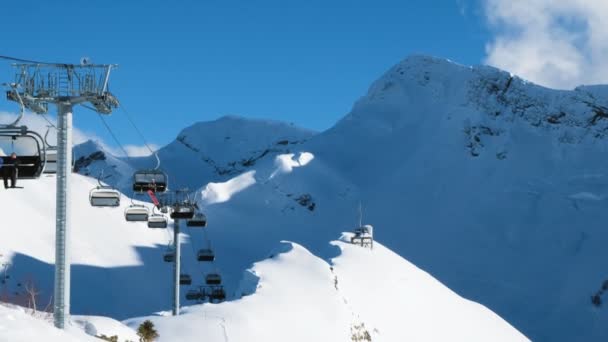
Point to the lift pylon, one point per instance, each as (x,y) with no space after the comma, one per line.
(37,85)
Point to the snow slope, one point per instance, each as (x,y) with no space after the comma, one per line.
(295,296)
(23,325)
(109,255)
(18,326)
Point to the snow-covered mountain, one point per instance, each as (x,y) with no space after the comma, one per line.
(493,185)
(118,272)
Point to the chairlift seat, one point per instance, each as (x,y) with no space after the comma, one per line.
(198,220)
(205,255)
(213,279)
(182,212)
(137,213)
(157,221)
(217,294)
(104,197)
(31,162)
(193,295)
(169,257)
(144,180)
(50,166)
(185,279)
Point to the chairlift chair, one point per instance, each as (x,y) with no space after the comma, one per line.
(137,213)
(144,180)
(50,165)
(217,294)
(205,254)
(183,211)
(32,160)
(31,150)
(104,196)
(169,256)
(213,279)
(185,279)
(198,220)
(157,221)
(194,295)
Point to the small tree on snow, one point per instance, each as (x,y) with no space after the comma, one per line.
(146,332)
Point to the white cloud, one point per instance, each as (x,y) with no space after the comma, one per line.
(556,43)
(139,151)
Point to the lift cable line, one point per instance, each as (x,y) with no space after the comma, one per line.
(35,86)
(141,135)
(109,129)
(20,60)
(147,179)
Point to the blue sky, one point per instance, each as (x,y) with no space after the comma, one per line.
(304,62)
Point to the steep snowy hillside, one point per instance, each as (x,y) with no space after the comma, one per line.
(111,258)
(494,185)
(295,296)
(118,272)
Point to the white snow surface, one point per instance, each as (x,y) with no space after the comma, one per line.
(223,192)
(18,324)
(298,297)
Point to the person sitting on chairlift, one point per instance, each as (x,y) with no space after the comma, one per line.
(10,169)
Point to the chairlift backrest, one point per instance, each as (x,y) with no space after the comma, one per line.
(157,221)
(169,257)
(185,279)
(182,211)
(213,279)
(194,295)
(137,213)
(28,146)
(144,180)
(205,255)
(198,220)
(104,197)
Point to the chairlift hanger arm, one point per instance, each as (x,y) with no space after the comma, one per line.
(21,106)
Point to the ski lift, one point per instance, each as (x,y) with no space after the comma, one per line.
(103,195)
(30,148)
(169,256)
(154,180)
(213,279)
(137,213)
(183,210)
(217,294)
(185,279)
(157,221)
(205,254)
(198,220)
(50,165)
(364,235)
(194,295)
